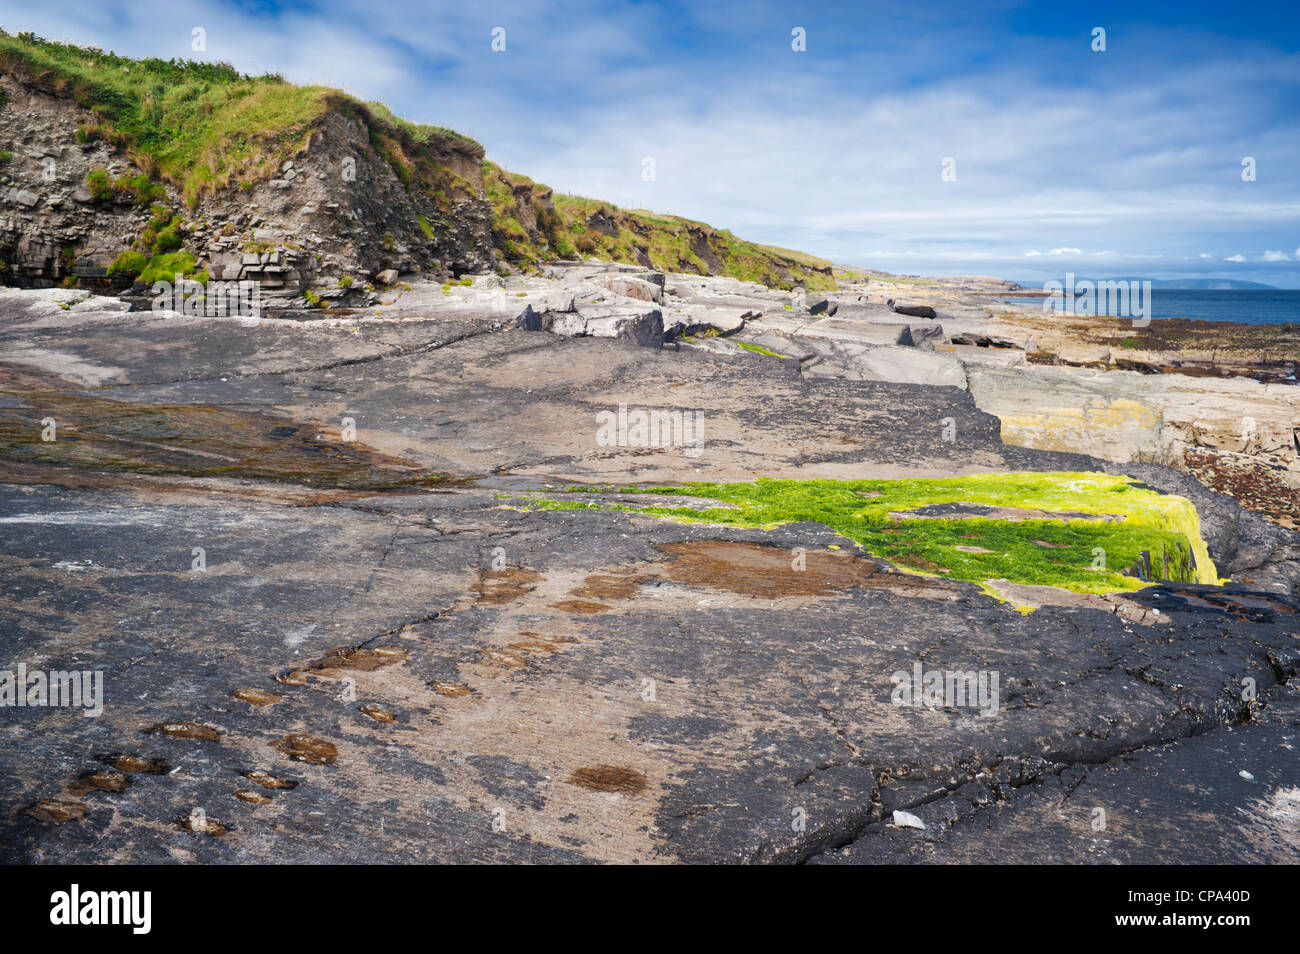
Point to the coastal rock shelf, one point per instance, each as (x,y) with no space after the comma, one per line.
(397,585)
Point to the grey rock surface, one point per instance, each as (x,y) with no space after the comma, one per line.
(374,666)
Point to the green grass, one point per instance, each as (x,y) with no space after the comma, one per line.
(858,509)
(130,263)
(205,127)
(570,226)
(165,268)
(202,125)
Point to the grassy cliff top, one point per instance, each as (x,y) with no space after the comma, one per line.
(571,226)
(205,126)
(199,125)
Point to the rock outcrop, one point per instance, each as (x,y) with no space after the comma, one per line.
(311,559)
(336,209)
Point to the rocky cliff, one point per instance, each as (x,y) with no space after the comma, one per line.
(342,192)
(119,171)
(531,224)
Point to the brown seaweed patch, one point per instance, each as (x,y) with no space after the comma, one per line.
(192,440)
(378,713)
(186,730)
(307,748)
(49,811)
(547,637)
(502,658)
(255,697)
(609,778)
(346,658)
(581,607)
(534,646)
(767,572)
(198,823)
(126,762)
(256,798)
(501,586)
(452,690)
(267,780)
(610,586)
(103,780)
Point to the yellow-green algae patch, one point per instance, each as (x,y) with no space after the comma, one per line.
(1094,536)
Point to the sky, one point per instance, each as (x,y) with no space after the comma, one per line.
(922,137)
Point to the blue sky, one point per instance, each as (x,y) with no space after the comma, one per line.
(1123,162)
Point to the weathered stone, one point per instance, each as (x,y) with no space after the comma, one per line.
(630,286)
(921,336)
(526,683)
(914,311)
(645,328)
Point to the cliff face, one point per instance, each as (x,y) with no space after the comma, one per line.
(353,201)
(353,198)
(531,223)
(123,171)
(51,228)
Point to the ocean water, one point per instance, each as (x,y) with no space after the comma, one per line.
(1253,306)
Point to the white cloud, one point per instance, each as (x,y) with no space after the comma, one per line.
(1235,258)
(585,92)
(1272,256)
(1033,252)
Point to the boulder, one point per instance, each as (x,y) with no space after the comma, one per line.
(645,327)
(921,336)
(823,307)
(631,286)
(529,320)
(725,320)
(387,276)
(914,311)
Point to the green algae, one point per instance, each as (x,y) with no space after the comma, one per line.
(1093,532)
(759,349)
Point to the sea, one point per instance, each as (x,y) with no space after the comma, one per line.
(1274,306)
